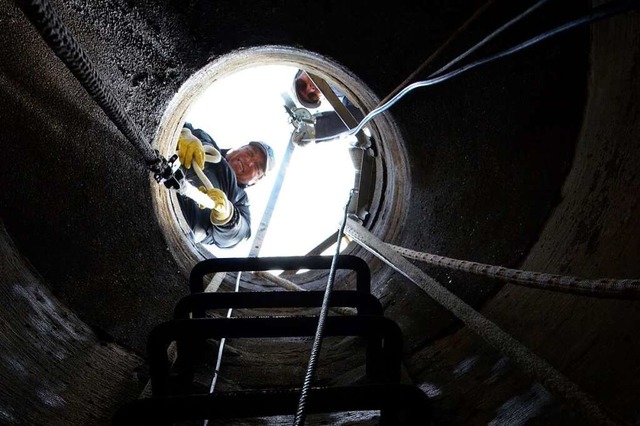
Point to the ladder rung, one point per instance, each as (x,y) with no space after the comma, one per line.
(399,405)
(234,264)
(383,354)
(365,303)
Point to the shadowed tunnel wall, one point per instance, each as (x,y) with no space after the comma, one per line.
(528,162)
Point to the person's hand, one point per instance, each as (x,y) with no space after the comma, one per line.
(298,138)
(222,212)
(190,149)
(303,137)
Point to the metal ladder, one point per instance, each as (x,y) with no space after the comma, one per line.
(174,400)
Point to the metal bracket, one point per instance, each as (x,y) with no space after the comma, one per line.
(169,173)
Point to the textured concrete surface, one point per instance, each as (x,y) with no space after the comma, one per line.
(530,161)
(56,370)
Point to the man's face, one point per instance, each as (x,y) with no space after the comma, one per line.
(306,90)
(248,163)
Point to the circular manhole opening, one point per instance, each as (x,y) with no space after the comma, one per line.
(257,94)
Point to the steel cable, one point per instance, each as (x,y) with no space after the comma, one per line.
(45,19)
(301,412)
(601,12)
(490,37)
(469,51)
(437,53)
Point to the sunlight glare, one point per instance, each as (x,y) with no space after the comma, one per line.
(248,105)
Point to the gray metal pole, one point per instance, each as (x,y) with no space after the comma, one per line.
(258,240)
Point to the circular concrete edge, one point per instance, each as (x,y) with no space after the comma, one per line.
(389,207)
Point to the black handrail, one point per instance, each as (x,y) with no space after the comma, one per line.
(233,264)
(386,357)
(366,304)
(399,404)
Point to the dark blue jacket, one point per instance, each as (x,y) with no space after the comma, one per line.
(222,177)
(328,123)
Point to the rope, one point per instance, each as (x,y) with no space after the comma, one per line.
(301,413)
(281,282)
(535,366)
(188,190)
(44,18)
(291,286)
(211,155)
(605,287)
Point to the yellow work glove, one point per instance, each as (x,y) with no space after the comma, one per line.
(190,149)
(222,212)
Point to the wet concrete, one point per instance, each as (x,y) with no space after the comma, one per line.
(530,161)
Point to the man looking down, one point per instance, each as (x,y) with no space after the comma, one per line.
(229,222)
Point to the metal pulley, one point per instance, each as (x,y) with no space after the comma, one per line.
(303,121)
(168,172)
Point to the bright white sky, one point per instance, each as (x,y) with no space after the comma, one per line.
(248,105)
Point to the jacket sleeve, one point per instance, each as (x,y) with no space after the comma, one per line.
(236,230)
(329,123)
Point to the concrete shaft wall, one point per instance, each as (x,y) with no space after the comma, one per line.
(527,162)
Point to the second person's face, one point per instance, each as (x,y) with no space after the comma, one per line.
(306,89)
